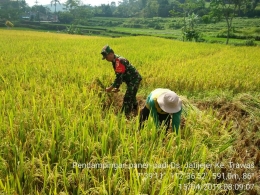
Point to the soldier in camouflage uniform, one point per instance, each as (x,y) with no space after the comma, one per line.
(127,73)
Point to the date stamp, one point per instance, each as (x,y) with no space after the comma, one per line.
(220,186)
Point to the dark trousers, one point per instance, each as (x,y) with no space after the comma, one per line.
(163,118)
(130,101)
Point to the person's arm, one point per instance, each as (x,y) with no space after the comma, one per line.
(176,120)
(118,80)
(155,115)
(151,106)
(116,84)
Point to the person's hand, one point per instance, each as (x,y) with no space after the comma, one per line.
(109,89)
(115,90)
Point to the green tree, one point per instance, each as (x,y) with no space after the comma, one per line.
(70,4)
(12,10)
(40,8)
(228,9)
(164,8)
(65,17)
(54,2)
(151,9)
(106,10)
(127,8)
(113,6)
(82,12)
(185,7)
(187,10)
(189,32)
(123,9)
(252,7)
(142,3)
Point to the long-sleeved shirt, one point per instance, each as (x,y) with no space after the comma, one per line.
(153,106)
(125,72)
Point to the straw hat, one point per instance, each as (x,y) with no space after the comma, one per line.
(169,102)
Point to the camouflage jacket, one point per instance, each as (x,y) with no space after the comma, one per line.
(125,72)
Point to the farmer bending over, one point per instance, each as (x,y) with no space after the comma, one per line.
(163,104)
(127,73)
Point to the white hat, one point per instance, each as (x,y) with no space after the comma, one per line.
(169,102)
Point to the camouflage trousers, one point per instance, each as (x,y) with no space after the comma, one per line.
(130,101)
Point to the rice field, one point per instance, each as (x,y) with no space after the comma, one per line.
(62,134)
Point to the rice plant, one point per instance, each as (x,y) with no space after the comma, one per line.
(62,134)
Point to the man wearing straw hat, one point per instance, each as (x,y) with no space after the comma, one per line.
(163,105)
(125,72)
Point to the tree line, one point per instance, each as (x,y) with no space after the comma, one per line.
(75,9)
(190,10)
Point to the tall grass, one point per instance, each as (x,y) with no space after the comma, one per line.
(53,121)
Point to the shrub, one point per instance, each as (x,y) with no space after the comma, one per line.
(206,19)
(158,27)
(190,35)
(73,30)
(250,42)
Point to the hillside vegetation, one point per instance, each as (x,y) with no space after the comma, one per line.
(62,134)
(244,31)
